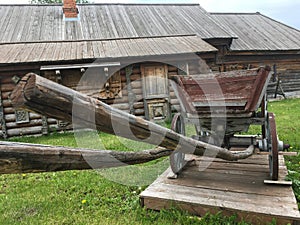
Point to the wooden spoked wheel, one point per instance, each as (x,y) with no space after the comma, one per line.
(270,139)
(272,143)
(177,161)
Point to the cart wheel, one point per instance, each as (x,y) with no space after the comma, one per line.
(177,161)
(272,145)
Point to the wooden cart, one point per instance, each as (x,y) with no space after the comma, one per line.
(219,105)
(222,105)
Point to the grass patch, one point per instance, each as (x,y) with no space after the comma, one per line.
(86,139)
(87,197)
(82,197)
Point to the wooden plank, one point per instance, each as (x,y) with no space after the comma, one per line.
(226,199)
(280,182)
(202,210)
(227,189)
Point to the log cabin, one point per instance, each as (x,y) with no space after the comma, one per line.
(122,54)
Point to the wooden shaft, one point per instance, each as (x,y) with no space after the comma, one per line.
(24,158)
(54,100)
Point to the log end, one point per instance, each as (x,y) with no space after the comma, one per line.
(18,96)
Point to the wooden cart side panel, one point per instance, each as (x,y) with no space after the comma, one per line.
(259,89)
(183,97)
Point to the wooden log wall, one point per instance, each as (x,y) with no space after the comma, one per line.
(290,80)
(38,124)
(288,72)
(136,88)
(137,91)
(9,125)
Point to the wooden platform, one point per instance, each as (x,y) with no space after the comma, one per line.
(231,187)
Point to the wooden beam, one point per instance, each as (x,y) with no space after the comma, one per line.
(27,158)
(56,101)
(79,66)
(2,116)
(254,57)
(131,95)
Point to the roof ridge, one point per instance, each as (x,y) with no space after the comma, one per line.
(249,13)
(279,22)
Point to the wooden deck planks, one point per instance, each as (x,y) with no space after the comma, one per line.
(231,187)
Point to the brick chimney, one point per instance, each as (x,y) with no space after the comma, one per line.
(70,10)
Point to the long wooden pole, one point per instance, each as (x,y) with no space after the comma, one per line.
(28,158)
(54,100)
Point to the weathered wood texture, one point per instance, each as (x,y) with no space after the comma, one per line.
(262,33)
(71,78)
(229,97)
(238,91)
(234,188)
(54,100)
(103,49)
(27,158)
(34,124)
(290,80)
(288,70)
(39,23)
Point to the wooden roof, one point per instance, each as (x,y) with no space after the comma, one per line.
(101,49)
(32,23)
(257,32)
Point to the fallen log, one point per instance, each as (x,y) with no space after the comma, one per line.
(29,158)
(43,96)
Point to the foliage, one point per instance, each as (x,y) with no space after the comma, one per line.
(86,197)
(54,1)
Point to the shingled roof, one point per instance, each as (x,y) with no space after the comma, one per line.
(101,49)
(33,23)
(39,33)
(257,32)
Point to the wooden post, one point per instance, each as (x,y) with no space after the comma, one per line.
(54,100)
(278,83)
(2,116)
(131,95)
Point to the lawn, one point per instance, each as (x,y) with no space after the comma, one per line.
(89,197)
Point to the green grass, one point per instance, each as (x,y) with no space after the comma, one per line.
(288,127)
(86,139)
(88,197)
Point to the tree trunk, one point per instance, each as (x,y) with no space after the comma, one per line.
(54,100)
(29,158)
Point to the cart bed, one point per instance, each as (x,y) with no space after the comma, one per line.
(232,96)
(236,92)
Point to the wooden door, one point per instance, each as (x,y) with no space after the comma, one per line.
(156,92)
(155,82)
